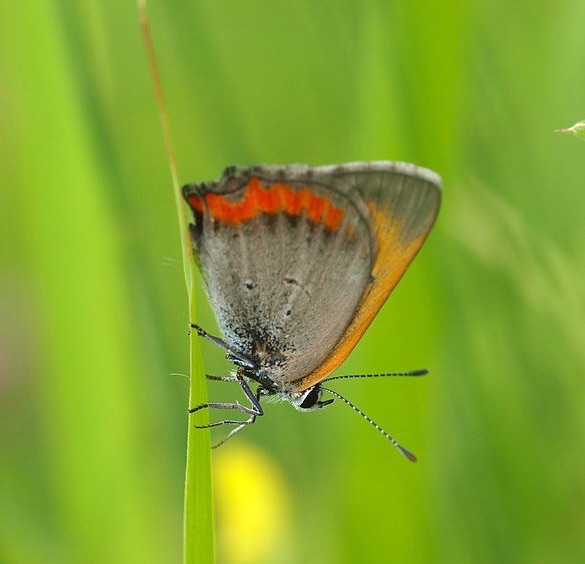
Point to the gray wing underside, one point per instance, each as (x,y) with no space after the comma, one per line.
(293,287)
(289,287)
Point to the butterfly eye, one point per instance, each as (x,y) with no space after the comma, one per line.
(311,400)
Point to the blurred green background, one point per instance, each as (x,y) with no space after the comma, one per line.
(93,312)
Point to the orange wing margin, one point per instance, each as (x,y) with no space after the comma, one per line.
(393,258)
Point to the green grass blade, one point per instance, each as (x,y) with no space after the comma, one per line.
(198,523)
(198,539)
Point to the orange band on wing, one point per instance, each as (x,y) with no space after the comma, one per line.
(276,198)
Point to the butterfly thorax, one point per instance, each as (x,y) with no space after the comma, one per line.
(271,368)
(304,400)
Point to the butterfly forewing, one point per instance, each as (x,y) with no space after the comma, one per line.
(402,201)
(281,256)
(298,260)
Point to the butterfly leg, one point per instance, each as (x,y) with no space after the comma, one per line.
(221,378)
(254,411)
(233,354)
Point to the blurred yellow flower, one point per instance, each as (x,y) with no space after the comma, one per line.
(253,506)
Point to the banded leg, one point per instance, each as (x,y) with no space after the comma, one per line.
(233,355)
(254,411)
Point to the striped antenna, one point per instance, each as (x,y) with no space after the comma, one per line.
(404,451)
(418,372)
